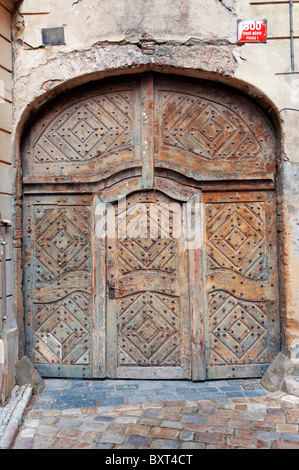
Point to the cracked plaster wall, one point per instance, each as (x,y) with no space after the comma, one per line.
(193,37)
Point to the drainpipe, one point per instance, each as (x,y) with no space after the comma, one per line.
(3,314)
(292,35)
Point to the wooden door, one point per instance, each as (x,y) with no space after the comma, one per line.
(142,305)
(148,307)
(58,285)
(242,292)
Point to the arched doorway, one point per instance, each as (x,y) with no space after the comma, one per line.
(201,303)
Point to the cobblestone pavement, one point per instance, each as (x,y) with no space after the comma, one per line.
(131,414)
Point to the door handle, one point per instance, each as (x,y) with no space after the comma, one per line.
(111,290)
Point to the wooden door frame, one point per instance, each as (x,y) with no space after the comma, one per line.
(183,194)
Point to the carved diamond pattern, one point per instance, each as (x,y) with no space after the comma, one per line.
(236,239)
(62,330)
(62,242)
(215,133)
(239,330)
(147,254)
(82,131)
(88,130)
(148,331)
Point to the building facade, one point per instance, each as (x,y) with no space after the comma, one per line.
(149,170)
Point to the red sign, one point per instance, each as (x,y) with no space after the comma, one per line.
(252,31)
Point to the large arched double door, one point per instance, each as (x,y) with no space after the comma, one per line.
(150,240)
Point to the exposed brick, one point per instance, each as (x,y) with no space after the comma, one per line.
(216,421)
(287,428)
(275,419)
(245,432)
(222,429)
(230,414)
(66,443)
(239,423)
(210,438)
(70,433)
(196,427)
(293,416)
(285,445)
(138,429)
(89,435)
(218,446)
(85,445)
(263,426)
(165,433)
(260,444)
(241,406)
(241,442)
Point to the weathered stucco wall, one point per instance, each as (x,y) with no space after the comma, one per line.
(194,37)
(8,331)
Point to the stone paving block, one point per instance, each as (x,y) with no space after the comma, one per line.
(138,440)
(192,445)
(268,435)
(112,438)
(28,432)
(290,437)
(113,401)
(141,399)
(120,393)
(69,423)
(47,430)
(164,433)
(164,444)
(255,393)
(126,420)
(172,424)
(105,419)
(231,388)
(187,435)
(194,419)
(104,446)
(152,412)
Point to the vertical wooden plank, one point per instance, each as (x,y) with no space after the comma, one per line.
(196,290)
(147,98)
(99,266)
(112,343)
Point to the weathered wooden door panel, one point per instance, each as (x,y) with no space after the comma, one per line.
(58,285)
(86,136)
(242,303)
(209,132)
(148,307)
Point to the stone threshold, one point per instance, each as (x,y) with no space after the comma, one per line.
(11,414)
